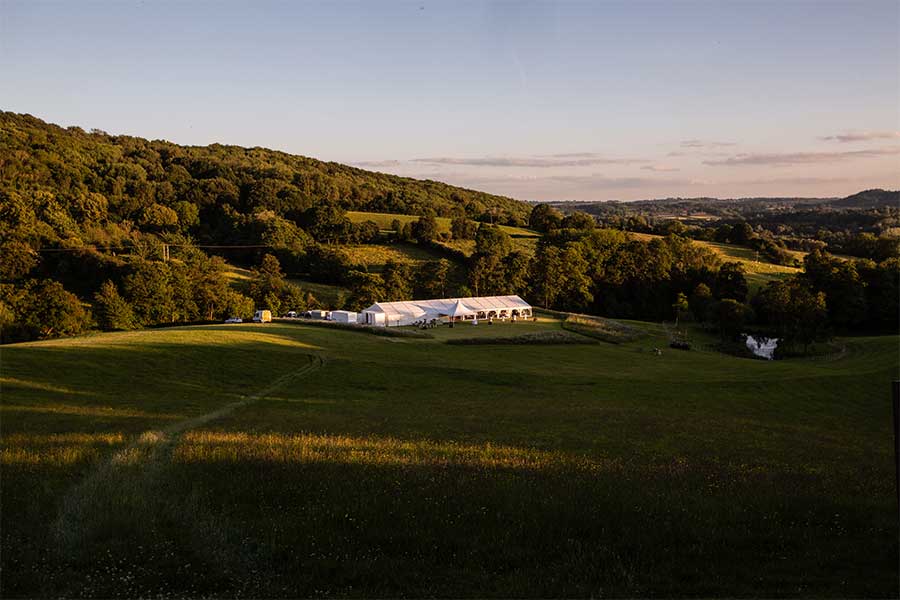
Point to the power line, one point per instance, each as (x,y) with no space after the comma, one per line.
(207,246)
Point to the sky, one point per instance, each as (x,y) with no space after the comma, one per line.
(538,101)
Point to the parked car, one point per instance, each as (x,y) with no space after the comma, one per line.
(234,320)
(291,314)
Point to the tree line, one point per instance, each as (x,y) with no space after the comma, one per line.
(117,233)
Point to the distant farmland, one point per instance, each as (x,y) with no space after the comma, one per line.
(524,240)
(283,461)
(759,270)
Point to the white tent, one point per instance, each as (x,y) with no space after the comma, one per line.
(459,310)
(411,311)
(343,316)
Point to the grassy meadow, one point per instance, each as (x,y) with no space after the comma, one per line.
(759,270)
(523,240)
(384,220)
(282,460)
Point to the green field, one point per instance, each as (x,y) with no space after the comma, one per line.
(284,460)
(759,270)
(325,294)
(372,257)
(384,220)
(523,240)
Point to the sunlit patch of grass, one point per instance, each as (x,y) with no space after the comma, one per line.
(219,447)
(18,439)
(86,411)
(374,256)
(163,340)
(61,456)
(607,330)
(40,386)
(61,449)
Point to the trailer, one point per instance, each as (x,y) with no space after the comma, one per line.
(343,316)
(262,316)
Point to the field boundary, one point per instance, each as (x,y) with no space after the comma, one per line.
(358,328)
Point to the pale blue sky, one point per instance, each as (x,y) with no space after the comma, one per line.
(642,99)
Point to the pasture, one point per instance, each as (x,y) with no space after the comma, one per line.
(282,460)
(759,271)
(523,240)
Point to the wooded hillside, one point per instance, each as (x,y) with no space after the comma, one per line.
(69,175)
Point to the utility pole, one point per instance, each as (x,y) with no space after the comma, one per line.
(895,392)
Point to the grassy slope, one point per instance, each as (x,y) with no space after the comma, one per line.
(524,240)
(384,220)
(759,272)
(412,466)
(372,257)
(326,294)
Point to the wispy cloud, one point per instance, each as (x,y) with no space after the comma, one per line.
(660,168)
(800,158)
(595,181)
(531,162)
(572,155)
(705,144)
(861,136)
(374,164)
(801,181)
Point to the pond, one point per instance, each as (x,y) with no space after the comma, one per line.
(762,347)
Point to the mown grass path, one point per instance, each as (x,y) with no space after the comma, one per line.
(127,480)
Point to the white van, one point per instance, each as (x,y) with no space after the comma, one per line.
(262,316)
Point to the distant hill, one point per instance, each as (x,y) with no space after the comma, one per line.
(132,173)
(869,199)
(732,207)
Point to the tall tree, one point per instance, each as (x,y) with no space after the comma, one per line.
(431,279)
(50,311)
(731,281)
(365,289)
(111,310)
(490,239)
(548,275)
(425,229)
(794,311)
(397,279)
(544,218)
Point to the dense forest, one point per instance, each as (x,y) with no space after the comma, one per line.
(139,229)
(118,232)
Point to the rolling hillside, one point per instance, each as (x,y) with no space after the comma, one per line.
(523,240)
(131,173)
(759,270)
(289,461)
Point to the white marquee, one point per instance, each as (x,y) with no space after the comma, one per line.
(412,311)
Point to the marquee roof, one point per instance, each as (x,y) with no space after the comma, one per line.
(446,306)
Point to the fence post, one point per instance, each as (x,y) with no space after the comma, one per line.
(895,389)
(896,410)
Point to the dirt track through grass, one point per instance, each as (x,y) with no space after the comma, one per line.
(128,483)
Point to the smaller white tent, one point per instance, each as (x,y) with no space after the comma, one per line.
(343,316)
(459,310)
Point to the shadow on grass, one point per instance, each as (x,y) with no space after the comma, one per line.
(313,515)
